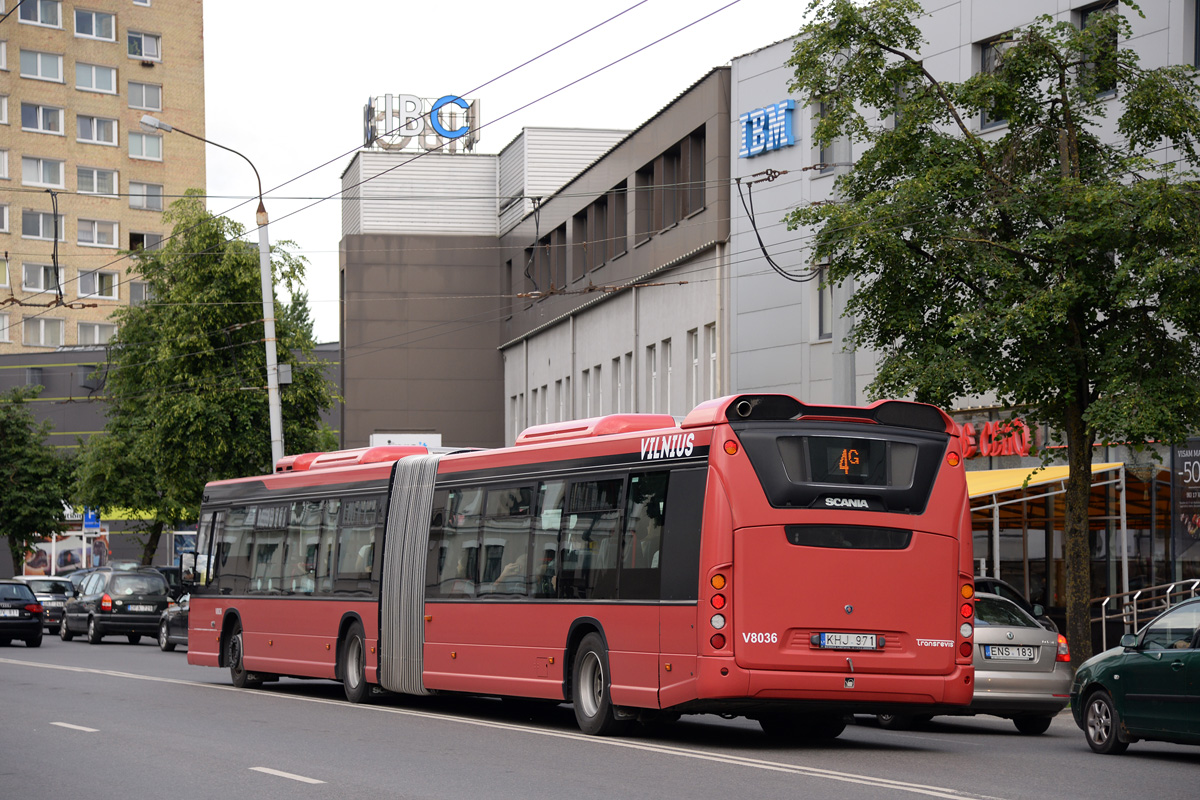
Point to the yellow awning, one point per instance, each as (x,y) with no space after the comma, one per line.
(993,481)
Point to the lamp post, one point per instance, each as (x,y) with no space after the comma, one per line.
(268,295)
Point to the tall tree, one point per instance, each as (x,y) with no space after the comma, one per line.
(34,479)
(186,375)
(1052,262)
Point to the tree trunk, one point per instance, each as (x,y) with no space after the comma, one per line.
(151,546)
(18,558)
(1076,536)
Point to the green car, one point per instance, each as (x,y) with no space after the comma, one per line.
(1147,688)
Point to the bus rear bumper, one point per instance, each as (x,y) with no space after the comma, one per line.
(721,679)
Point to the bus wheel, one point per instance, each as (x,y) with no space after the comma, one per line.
(590,689)
(354,665)
(233,657)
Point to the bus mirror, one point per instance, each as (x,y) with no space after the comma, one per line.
(187,568)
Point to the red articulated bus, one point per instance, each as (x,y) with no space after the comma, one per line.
(765,558)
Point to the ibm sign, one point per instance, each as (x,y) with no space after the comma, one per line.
(407,122)
(765,129)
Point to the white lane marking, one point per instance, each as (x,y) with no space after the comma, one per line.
(287,775)
(75,727)
(649,747)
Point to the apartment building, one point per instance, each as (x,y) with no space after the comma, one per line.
(80,179)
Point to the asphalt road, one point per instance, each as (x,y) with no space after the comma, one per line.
(118,720)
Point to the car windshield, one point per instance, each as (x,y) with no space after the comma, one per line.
(1173,631)
(51,587)
(138,584)
(997,611)
(15,591)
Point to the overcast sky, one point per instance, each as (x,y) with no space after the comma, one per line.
(286,82)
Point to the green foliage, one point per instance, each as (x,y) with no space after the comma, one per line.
(34,479)
(1053,263)
(186,374)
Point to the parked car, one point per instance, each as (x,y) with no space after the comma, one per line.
(173,625)
(20,614)
(1010,592)
(1148,687)
(113,601)
(52,593)
(1022,670)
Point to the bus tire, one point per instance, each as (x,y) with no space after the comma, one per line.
(590,685)
(354,665)
(233,657)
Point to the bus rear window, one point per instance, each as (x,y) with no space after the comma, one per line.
(848,537)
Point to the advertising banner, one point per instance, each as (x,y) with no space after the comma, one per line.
(1185,500)
(58,554)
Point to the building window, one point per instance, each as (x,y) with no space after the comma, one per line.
(145,145)
(145,195)
(94,78)
(991,58)
(666,369)
(694,366)
(43,332)
(96,332)
(618,223)
(691,179)
(42,172)
(42,12)
(597,402)
(41,66)
(96,181)
(4,264)
(41,119)
(97,234)
(141,2)
(95,25)
(96,130)
(824,304)
(98,284)
(146,96)
(4,328)
(4,164)
(4,229)
(710,334)
(652,375)
(145,46)
(586,378)
(1106,84)
(550,260)
(40,225)
(139,292)
(3,54)
(616,406)
(3,109)
(42,278)
(644,203)
(145,241)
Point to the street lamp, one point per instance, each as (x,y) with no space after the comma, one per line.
(268,295)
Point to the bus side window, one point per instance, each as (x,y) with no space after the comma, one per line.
(266,558)
(235,545)
(303,538)
(460,537)
(547,520)
(506,529)
(356,545)
(325,545)
(641,544)
(590,539)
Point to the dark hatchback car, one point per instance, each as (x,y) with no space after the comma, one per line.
(173,625)
(1146,688)
(116,602)
(20,614)
(52,593)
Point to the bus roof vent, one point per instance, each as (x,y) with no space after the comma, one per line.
(757,407)
(595,426)
(345,458)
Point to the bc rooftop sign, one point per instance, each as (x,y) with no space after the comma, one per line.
(408,122)
(765,129)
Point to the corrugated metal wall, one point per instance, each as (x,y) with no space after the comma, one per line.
(437,193)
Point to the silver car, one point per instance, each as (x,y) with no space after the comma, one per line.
(52,593)
(1022,670)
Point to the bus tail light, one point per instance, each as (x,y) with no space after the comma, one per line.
(965,632)
(967,591)
(731,447)
(953,459)
(718,621)
(718,581)
(717,641)
(106,603)
(964,649)
(967,611)
(1064,651)
(718,601)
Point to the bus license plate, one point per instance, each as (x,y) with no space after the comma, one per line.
(1004,652)
(848,641)
(141,608)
